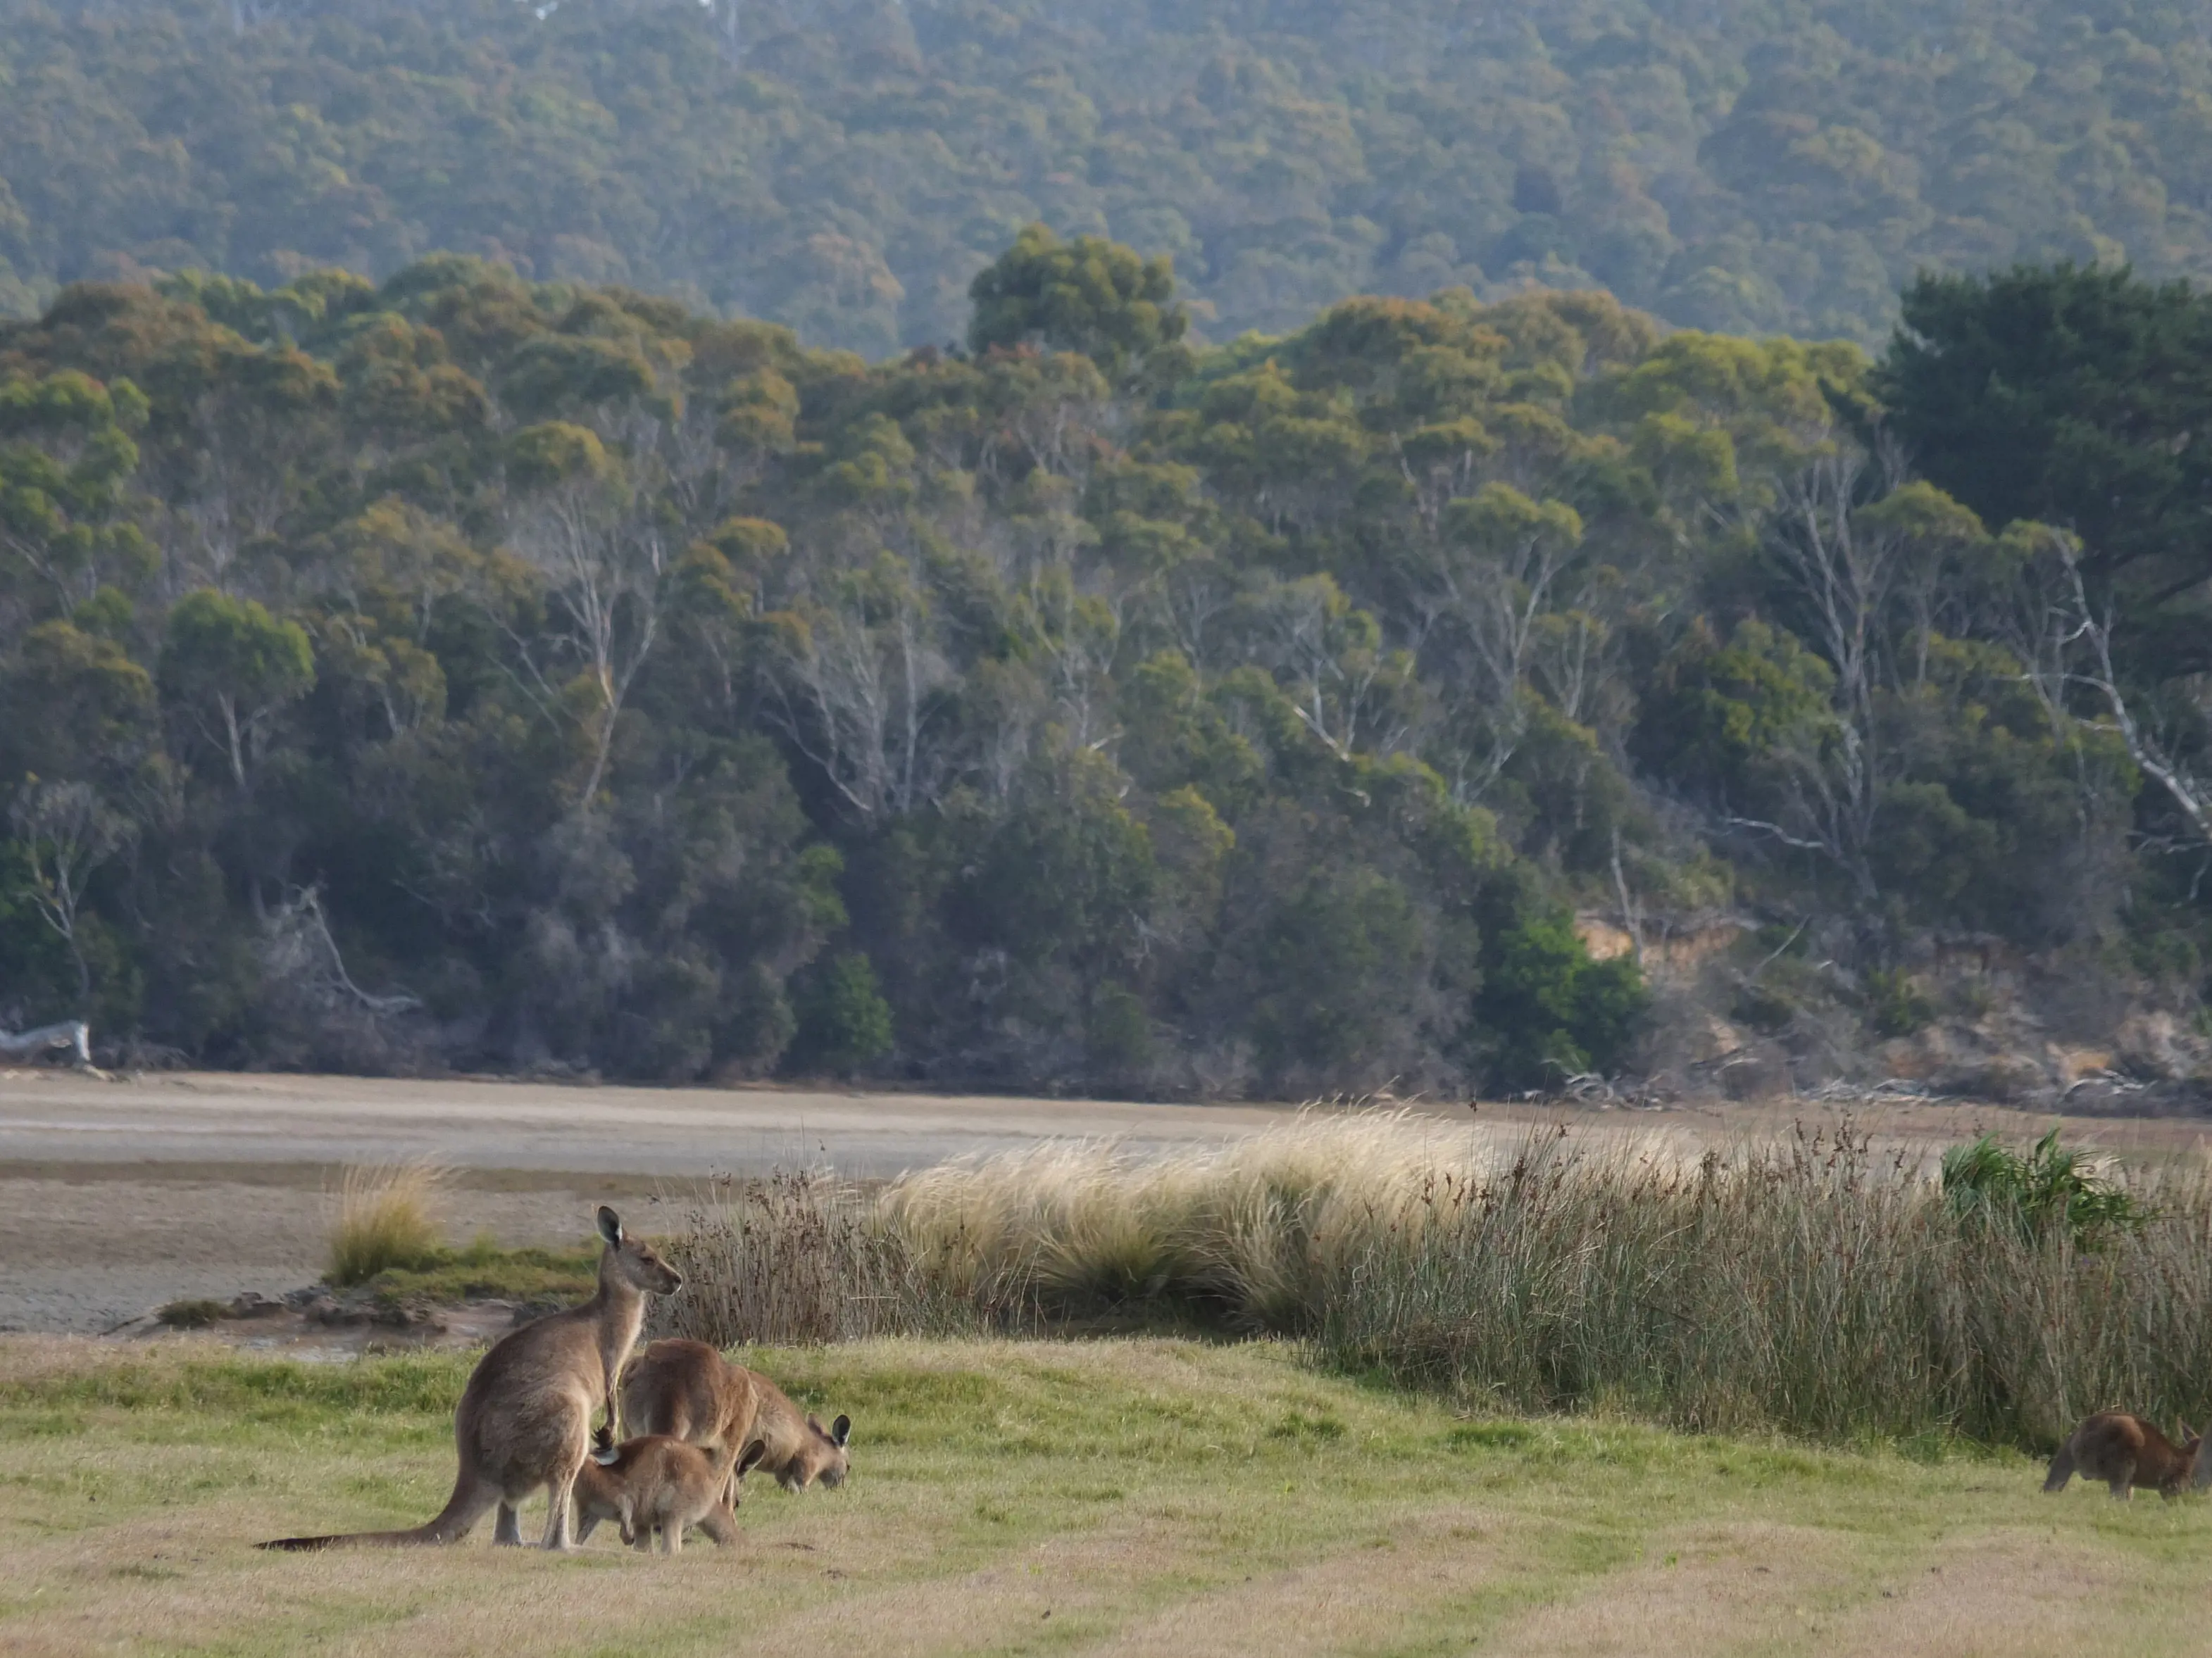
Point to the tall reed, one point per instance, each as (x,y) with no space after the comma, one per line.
(802,1257)
(1812,1285)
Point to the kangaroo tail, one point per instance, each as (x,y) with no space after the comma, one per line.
(453,1522)
(2062,1469)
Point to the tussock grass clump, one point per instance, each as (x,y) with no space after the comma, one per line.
(1236,1232)
(386,1217)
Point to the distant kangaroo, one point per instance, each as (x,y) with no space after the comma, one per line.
(656,1483)
(2124,1452)
(524,1419)
(688,1389)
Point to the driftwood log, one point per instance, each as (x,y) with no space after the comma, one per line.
(72,1035)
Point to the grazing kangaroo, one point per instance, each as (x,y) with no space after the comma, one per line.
(687,1389)
(524,1419)
(2125,1451)
(656,1483)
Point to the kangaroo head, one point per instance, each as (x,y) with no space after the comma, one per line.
(2189,1469)
(632,1260)
(822,1456)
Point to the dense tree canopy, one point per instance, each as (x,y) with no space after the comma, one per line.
(846,167)
(475,670)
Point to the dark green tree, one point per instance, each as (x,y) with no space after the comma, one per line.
(1088,295)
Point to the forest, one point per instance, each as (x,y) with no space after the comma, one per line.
(845,167)
(464,670)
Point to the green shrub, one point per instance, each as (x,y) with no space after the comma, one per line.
(1894,1005)
(844,1022)
(2050,1190)
(1553,1010)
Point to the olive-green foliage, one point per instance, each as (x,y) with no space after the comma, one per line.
(1092,295)
(548,674)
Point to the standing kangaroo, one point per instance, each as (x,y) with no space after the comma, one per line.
(524,1419)
(2125,1451)
(688,1389)
(656,1483)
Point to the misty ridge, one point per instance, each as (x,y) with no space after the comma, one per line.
(1641,554)
(846,169)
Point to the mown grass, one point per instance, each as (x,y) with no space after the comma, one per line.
(1132,1496)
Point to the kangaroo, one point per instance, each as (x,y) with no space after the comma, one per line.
(688,1389)
(655,1483)
(524,1419)
(2124,1452)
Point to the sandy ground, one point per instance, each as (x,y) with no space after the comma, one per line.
(88,1249)
(118,1196)
(685,1132)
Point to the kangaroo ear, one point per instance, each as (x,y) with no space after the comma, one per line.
(610,1225)
(841,1430)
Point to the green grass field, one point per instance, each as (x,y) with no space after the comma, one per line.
(1130,1495)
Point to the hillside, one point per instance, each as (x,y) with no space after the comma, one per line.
(1739,166)
(465,671)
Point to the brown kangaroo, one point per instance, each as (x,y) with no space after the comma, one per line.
(524,1419)
(687,1389)
(654,1483)
(2124,1452)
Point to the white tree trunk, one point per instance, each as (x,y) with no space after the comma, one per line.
(74,1035)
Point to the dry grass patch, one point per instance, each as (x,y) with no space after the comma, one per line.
(386,1217)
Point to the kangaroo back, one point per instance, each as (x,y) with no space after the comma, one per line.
(524,1418)
(687,1388)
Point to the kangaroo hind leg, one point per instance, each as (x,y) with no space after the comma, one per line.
(563,1493)
(2123,1482)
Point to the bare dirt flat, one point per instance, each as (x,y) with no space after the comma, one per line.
(119,1196)
(203,1117)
